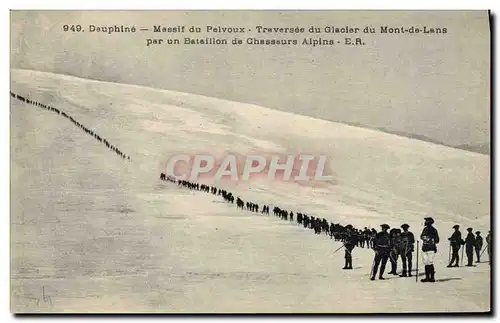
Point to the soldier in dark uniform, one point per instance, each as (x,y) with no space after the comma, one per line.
(430,238)
(478,245)
(349,244)
(366,237)
(361,240)
(456,243)
(470,242)
(381,245)
(488,241)
(396,247)
(373,233)
(408,242)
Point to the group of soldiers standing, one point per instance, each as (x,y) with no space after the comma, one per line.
(472,243)
(388,245)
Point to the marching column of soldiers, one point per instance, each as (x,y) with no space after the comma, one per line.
(388,246)
(74,121)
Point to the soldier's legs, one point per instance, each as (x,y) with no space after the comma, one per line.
(394,262)
(348,259)
(470,256)
(409,256)
(376,263)
(455,257)
(403,259)
(382,265)
(428,260)
(489,253)
(478,254)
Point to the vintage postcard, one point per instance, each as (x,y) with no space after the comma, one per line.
(250,162)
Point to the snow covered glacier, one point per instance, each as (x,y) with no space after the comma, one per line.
(91,232)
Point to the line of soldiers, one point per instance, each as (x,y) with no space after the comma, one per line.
(388,245)
(471,243)
(74,121)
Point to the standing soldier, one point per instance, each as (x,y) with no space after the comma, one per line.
(408,242)
(366,237)
(395,249)
(361,240)
(479,245)
(455,243)
(488,246)
(349,244)
(470,242)
(373,234)
(381,244)
(430,238)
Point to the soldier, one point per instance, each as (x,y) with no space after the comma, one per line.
(373,233)
(395,249)
(470,242)
(430,238)
(366,237)
(349,244)
(382,250)
(478,245)
(408,242)
(455,243)
(488,246)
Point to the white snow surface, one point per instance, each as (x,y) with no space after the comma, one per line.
(91,232)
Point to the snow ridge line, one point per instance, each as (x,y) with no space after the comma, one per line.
(74,121)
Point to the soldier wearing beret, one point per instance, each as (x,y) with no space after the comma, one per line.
(479,245)
(349,244)
(396,249)
(455,243)
(470,242)
(408,241)
(381,245)
(430,239)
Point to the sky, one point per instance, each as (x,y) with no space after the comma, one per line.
(436,85)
